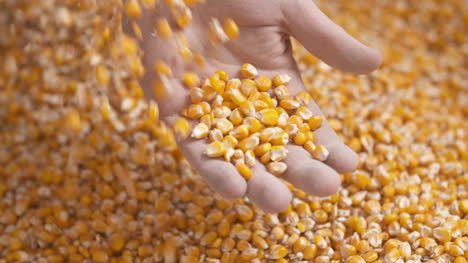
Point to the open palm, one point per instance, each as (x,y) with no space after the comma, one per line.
(264,41)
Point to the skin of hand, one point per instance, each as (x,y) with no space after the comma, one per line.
(264,41)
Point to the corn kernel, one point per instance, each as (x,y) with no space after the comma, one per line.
(215,149)
(315,122)
(163,28)
(263,83)
(244,170)
(248,71)
(200,131)
(276,168)
(268,116)
(231,29)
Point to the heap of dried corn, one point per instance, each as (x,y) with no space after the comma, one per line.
(87,174)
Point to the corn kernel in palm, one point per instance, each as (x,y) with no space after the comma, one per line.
(248,71)
(291,129)
(315,122)
(278,153)
(232,84)
(247,87)
(295,119)
(236,117)
(216,135)
(196,95)
(195,111)
(300,138)
(320,153)
(224,125)
(162,68)
(231,29)
(215,149)
(310,146)
(268,116)
(281,139)
(262,149)
(249,143)
(247,108)
(237,97)
(304,98)
(229,154)
(200,131)
(244,170)
(282,120)
(230,141)
(281,92)
(263,83)
(269,133)
(266,158)
(190,79)
(276,168)
(249,158)
(240,132)
(282,79)
(207,119)
(253,124)
(304,113)
(289,104)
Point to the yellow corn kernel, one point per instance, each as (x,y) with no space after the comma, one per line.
(247,108)
(238,156)
(309,252)
(282,138)
(230,141)
(291,129)
(241,132)
(276,168)
(301,139)
(196,95)
(295,120)
(442,234)
(163,28)
(263,83)
(153,112)
(253,124)
(463,206)
(224,125)
(303,98)
(266,158)
(221,112)
(249,143)
(102,75)
(357,223)
(262,149)
(217,84)
(216,32)
(244,170)
(190,79)
(182,15)
(289,104)
(370,256)
(248,71)
(281,92)
(315,122)
(232,84)
(237,97)
(106,110)
(73,120)
(231,28)
(278,153)
(268,116)
(355,259)
(248,87)
(278,251)
(182,127)
(215,149)
(320,241)
(455,251)
(304,113)
(200,131)
(392,255)
(99,256)
(229,154)
(162,68)
(195,111)
(282,79)
(132,9)
(269,133)
(260,105)
(460,259)
(249,158)
(223,75)
(206,108)
(300,244)
(207,119)
(320,153)
(236,117)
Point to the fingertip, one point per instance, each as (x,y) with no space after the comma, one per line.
(268,192)
(372,59)
(328,185)
(342,158)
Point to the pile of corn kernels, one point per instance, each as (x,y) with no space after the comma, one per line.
(88,174)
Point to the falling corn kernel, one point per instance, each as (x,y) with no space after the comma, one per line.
(163,28)
(231,29)
(133,9)
(182,127)
(190,79)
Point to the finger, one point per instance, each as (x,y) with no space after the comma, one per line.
(312,176)
(267,191)
(327,40)
(341,158)
(220,175)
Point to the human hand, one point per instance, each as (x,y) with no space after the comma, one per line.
(265,28)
